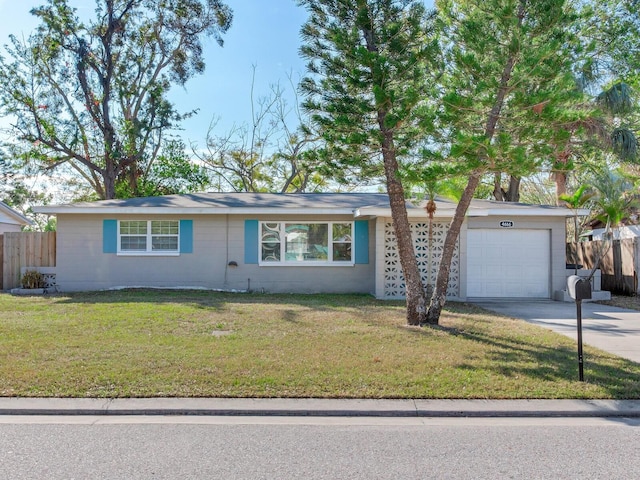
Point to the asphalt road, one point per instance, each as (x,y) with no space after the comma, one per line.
(317,448)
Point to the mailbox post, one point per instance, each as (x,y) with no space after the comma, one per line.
(579,289)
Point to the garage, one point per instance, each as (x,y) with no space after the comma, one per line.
(508,263)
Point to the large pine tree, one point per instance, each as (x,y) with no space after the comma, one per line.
(368,82)
(509,89)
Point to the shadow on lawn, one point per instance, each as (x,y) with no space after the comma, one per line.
(209,299)
(508,355)
(512,357)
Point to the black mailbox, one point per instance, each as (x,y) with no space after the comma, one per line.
(579,288)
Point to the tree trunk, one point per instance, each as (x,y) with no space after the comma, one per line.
(109,176)
(513,194)
(429,289)
(498,191)
(439,297)
(414,291)
(561,186)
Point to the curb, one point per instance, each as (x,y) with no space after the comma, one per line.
(319,407)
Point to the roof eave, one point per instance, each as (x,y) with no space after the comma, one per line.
(190,211)
(537,212)
(477,212)
(416,212)
(18,217)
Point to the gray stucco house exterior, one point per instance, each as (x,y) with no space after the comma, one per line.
(303,243)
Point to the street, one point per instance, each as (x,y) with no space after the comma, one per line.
(193,447)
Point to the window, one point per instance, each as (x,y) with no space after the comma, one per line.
(298,242)
(342,242)
(149,236)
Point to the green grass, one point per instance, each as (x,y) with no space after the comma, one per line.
(184,343)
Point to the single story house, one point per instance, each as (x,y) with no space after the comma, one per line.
(10,220)
(303,243)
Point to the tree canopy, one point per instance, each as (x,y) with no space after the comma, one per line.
(92,93)
(506,89)
(367,85)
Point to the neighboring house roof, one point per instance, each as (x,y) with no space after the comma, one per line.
(628,231)
(9,215)
(629,221)
(357,204)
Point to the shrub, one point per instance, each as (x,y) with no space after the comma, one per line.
(32,279)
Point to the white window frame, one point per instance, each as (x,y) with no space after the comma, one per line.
(149,242)
(306,263)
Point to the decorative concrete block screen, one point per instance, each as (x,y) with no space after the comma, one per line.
(49,274)
(394,286)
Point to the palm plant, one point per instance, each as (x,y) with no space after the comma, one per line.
(618,101)
(605,126)
(616,199)
(575,202)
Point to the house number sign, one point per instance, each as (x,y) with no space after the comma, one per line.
(506,223)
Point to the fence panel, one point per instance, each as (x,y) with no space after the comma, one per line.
(636,264)
(26,249)
(1,261)
(617,262)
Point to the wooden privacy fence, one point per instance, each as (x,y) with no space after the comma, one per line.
(25,249)
(619,265)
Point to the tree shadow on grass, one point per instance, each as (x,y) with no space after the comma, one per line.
(507,352)
(507,355)
(209,299)
(512,357)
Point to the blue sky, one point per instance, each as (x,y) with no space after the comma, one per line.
(265,33)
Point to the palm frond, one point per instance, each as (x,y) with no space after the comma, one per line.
(579,198)
(625,144)
(617,100)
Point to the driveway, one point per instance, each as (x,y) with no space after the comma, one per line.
(612,329)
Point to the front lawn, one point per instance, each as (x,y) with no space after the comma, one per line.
(142,343)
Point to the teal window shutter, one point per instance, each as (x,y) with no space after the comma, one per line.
(186,236)
(361,236)
(251,241)
(109,236)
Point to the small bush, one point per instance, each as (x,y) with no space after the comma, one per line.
(32,279)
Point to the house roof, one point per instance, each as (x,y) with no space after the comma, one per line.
(357,204)
(479,208)
(13,217)
(238,203)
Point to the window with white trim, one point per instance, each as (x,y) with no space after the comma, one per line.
(306,242)
(148,236)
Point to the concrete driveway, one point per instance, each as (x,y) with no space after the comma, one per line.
(611,329)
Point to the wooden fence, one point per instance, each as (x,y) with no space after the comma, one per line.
(619,265)
(1,261)
(25,249)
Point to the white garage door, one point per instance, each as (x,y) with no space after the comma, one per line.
(508,263)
